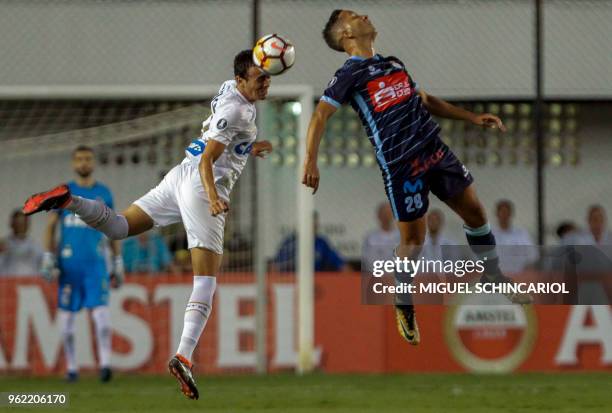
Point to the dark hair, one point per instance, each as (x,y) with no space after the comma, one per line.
(82,148)
(328,32)
(242,62)
(564,228)
(17,212)
(505,203)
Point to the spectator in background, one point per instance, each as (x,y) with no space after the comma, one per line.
(565,231)
(326,258)
(436,238)
(19,255)
(179,249)
(379,244)
(238,254)
(146,252)
(523,252)
(598,233)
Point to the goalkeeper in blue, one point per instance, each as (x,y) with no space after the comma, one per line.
(397,116)
(79,261)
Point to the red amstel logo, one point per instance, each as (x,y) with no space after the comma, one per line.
(490,338)
(389,90)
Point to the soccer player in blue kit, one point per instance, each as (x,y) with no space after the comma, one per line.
(397,116)
(84,279)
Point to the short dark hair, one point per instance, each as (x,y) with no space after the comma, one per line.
(242,62)
(564,228)
(505,203)
(328,32)
(82,148)
(17,212)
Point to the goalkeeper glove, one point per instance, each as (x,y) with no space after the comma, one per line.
(117,272)
(49,269)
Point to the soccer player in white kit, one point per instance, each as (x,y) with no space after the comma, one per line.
(195,192)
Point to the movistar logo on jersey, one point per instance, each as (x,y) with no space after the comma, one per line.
(243,148)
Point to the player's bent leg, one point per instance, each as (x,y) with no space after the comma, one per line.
(412,237)
(205,265)
(467,205)
(138,220)
(94,213)
(477,230)
(482,241)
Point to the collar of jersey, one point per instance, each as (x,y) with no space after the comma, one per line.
(241,95)
(361,58)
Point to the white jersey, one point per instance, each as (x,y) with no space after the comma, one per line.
(21,257)
(232,123)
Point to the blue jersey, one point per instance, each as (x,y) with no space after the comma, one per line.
(390,108)
(79,242)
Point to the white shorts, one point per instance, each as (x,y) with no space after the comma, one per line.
(181,197)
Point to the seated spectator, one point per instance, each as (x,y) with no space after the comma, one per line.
(380,243)
(436,238)
(19,254)
(598,233)
(179,249)
(565,231)
(182,262)
(177,239)
(238,254)
(326,258)
(146,252)
(512,259)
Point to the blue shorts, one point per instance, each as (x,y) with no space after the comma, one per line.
(83,284)
(435,169)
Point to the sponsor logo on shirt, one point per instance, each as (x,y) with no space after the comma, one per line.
(243,148)
(387,91)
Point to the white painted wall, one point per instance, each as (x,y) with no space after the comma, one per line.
(471,48)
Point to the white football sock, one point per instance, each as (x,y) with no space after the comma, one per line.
(99,216)
(66,320)
(101,316)
(197,313)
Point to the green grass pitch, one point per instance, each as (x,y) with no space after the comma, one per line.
(413,393)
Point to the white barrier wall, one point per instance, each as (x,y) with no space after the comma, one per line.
(459,49)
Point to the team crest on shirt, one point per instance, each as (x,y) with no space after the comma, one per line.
(222,124)
(387,91)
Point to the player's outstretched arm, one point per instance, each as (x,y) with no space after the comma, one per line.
(440,107)
(213,150)
(321,114)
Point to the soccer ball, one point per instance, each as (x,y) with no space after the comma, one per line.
(273,54)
